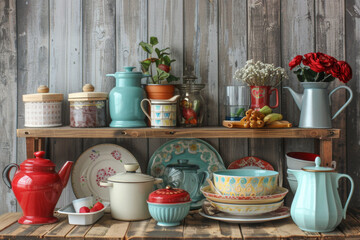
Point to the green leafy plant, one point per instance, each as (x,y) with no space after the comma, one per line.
(162,63)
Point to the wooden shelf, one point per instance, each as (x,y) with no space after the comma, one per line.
(204,132)
(193,227)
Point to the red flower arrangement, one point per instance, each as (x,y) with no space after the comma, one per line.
(320,67)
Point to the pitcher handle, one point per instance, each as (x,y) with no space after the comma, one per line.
(143,109)
(6,174)
(347,102)
(351,191)
(277,97)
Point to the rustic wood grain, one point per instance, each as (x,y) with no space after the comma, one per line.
(264,45)
(232,55)
(7,219)
(148,229)
(8,96)
(107,228)
(280,229)
(330,39)
(350,227)
(203,132)
(131,29)
(200,227)
(352,37)
(21,231)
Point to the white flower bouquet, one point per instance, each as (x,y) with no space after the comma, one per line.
(260,74)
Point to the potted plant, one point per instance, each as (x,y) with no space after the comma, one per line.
(159,68)
(262,79)
(315,71)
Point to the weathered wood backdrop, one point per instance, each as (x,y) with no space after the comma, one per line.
(65,44)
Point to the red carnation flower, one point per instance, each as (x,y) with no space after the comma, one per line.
(346,72)
(295,62)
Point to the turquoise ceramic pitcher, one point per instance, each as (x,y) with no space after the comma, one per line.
(125,98)
(316,206)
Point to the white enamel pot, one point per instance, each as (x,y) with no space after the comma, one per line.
(129,192)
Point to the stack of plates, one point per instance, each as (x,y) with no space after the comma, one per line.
(246,205)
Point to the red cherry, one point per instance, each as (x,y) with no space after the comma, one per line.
(84,210)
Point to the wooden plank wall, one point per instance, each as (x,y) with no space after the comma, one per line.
(66,44)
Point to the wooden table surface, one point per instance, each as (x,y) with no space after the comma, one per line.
(193,227)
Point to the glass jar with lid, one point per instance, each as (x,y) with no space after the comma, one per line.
(191,104)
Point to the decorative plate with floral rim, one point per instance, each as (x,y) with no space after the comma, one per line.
(251,162)
(281,213)
(96,164)
(197,151)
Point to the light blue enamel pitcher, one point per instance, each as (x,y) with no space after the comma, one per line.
(315,104)
(125,98)
(316,206)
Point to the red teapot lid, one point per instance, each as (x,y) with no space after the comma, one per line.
(38,163)
(169,195)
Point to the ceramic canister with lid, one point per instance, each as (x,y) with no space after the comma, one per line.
(88,108)
(128,193)
(43,109)
(169,206)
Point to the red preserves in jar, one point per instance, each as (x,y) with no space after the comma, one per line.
(88,108)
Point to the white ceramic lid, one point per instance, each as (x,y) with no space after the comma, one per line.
(131,176)
(317,167)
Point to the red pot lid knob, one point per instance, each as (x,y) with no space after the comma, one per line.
(169,195)
(38,163)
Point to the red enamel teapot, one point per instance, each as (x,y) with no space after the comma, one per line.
(37,187)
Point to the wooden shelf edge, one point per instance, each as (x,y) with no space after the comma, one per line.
(202,132)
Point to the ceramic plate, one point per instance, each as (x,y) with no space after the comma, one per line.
(281,213)
(279,195)
(196,151)
(251,163)
(96,164)
(247,209)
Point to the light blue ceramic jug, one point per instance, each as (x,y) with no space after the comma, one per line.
(125,98)
(316,206)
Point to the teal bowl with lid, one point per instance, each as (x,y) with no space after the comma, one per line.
(246,182)
(169,206)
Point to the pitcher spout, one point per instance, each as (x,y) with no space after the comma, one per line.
(297,97)
(64,173)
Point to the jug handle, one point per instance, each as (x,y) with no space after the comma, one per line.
(277,97)
(143,109)
(110,75)
(347,102)
(202,178)
(6,174)
(351,191)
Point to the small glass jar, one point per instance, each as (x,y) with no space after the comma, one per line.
(88,108)
(237,102)
(191,104)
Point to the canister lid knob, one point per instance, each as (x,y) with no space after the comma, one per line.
(43,89)
(88,88)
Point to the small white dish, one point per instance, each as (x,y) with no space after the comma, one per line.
(82,218)
(82,202)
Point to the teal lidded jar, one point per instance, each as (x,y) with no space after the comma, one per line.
(125,98)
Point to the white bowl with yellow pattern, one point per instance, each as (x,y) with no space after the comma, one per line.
(246,209)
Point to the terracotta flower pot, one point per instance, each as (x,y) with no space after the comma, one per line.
(158,91)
